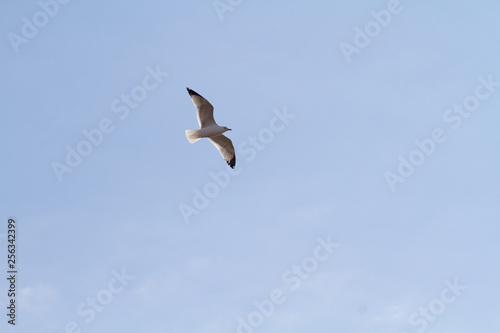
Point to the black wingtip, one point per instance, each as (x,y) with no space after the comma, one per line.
(232,163)
(192,92)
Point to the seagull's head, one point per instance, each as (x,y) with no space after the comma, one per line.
(226,128)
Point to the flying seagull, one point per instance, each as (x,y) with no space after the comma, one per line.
(209,128)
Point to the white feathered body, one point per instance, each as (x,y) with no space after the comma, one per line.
(205,132)
(209,128)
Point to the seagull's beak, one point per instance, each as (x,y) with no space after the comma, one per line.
(229,129)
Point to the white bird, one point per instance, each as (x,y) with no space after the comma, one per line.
(209,128)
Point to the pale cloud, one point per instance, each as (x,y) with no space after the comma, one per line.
(395,313)
(37,299)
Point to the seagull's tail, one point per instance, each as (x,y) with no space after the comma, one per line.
(192,135)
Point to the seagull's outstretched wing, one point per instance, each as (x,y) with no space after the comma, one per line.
(204,110)
(225,147)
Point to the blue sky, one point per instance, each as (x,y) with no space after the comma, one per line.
(347,211)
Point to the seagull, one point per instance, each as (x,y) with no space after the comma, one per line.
(209,128)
